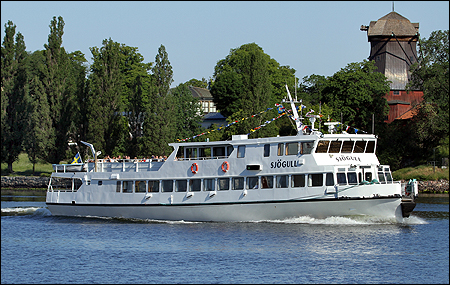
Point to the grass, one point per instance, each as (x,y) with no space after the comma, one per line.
(23,167)
(421,173)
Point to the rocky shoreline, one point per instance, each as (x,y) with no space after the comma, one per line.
(33,182)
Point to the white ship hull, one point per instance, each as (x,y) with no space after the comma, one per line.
(242,212)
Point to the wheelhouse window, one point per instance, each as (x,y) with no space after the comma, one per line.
(282,181)
(241,151)
(368,176)
(347,146)
(370,147)
(266,182)
(335,146)
(322,147)
(139,186)
(153,186)
(167,185)
(252,182)
(181,185)
(298,180)
(118,186)
(195,185)
(208,184)
(266,150)
(238,183)
(360,146)
(223,184)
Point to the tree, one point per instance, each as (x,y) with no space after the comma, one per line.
(107,129)
(15,95)
(162,72)
(431,75)
(160,122)
(79,106)
(198,83)
(40,124)
(60,85)
(187,113)
(242,87)
(135,94)
(357,92)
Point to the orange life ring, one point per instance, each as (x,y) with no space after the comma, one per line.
(225,166)
(194,168)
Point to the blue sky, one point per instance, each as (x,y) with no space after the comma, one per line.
(313,37)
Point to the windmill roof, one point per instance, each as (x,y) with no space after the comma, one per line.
(392,23)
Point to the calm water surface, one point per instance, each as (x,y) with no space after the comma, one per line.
(40,248)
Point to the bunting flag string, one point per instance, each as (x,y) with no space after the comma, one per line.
(226,126)
(281,110)
(347,127)
(266,123)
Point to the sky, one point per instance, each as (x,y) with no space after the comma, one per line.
(313,37)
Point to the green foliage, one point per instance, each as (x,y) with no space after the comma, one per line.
(61,77)
(162,71)
(197,83)
(40,126)
(416,141)
(125,107)
(431,75)
(242,87)
(105,102)
(159,126)
(357,92)
(15,95)
(188,111)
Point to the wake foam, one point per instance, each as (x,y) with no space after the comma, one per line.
(23,211)
(349,220)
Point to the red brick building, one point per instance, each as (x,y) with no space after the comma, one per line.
(393,40)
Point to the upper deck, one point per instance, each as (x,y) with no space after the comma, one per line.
(316,149)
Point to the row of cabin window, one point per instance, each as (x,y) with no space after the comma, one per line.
(235,183)
(292,148)
(205,152)
(349,146)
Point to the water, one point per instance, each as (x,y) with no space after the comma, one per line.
(40,248)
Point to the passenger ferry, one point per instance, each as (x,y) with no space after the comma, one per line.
(309,174)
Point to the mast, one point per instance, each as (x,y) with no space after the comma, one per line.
(294,111)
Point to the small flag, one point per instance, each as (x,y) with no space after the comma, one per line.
(76,159)
(348,127)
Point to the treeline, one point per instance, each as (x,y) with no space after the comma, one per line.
(120,104)
(124,106)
